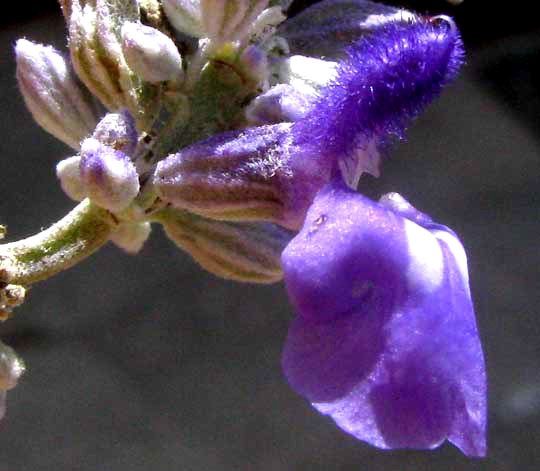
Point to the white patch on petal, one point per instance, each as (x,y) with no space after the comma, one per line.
(307,74)
(373,21)
(426,263)
(457,251)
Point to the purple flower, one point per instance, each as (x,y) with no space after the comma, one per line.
(389,76)
(387,79)
(385,340)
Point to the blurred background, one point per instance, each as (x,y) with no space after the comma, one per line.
(149,363)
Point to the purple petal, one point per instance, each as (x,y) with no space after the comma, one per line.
(388,78)
(385,341)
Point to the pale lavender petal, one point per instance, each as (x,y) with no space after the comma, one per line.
(385,340)
(326,28)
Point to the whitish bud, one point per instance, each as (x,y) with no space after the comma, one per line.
(69,175)
(229,20)
(53,94)
(248,252)
(307,74)
(11,369)
(282,103)
(108,175)
(117,130)
(96,53)
(131,236)
(150,54)
(262,27)
(185,16)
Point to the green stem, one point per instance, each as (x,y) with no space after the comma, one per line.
(80,233)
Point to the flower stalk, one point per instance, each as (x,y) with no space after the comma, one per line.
(76,236)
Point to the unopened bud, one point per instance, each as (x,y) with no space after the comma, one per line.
(237,176)
(109,177)
(229,20)
(131,236)
(282,103)
(52,93)
(248,252)
(11,369)
(185,16)
(68,173)
(117,130)
(96,52)
(150,54)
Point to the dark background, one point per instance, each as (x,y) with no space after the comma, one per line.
(149,363)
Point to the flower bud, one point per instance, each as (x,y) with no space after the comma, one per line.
(150,54)
(11,369)
(96,54)
(185,16)
(68,173)
(108,175)
(236,176)
(91,59)
(282,103)
(248,252)
(117,130)
(229,20)
(131,236)
(52,93)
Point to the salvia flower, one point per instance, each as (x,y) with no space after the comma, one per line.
(387,79)
(246,142)
(385,340)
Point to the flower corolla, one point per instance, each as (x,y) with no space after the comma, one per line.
(385,340)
